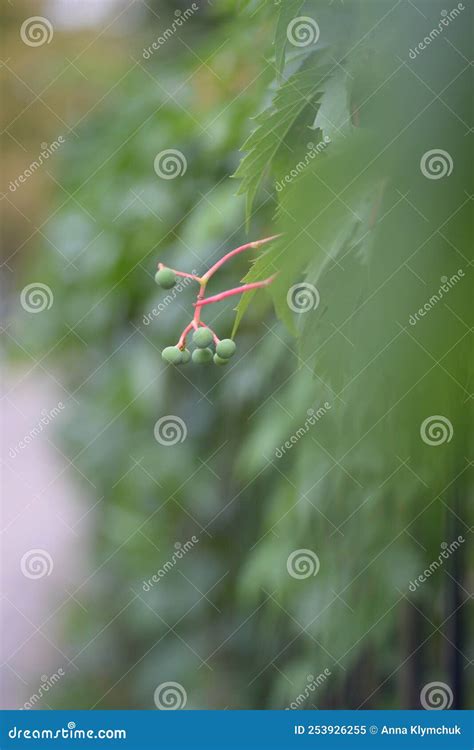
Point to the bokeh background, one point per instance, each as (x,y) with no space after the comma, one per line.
(89,491)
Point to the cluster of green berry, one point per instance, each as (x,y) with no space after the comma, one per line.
(203,354)
(204,337)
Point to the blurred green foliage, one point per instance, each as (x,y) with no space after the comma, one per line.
(359,487)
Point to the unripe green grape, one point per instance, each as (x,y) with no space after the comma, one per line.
(202,337)
(185,356)
(172,354)
(219,361)
(166,278)
(202,356)
(226,348)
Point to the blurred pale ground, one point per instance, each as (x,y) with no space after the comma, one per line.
(38,484)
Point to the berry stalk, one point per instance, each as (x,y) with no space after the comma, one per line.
(162,267)
(182,339)
(231,292)
(201,293)
(228,256)
(203,336)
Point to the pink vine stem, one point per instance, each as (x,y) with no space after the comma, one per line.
(182,339)
(228,256)
(179,273)
(202,300)
(231,292)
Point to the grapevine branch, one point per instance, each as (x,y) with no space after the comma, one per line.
(202,300)
(237,290)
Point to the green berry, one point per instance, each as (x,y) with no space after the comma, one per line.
(172,354)
(219,361)
(166,278)
(185,356)
(202,337)
(226,348)
(202,356)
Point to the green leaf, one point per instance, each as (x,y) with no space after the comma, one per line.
(261,268)
(297,97)
(288,10)
(334,115)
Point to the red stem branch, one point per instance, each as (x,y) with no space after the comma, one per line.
(197,311)
(228,256)
(182,339)
(180,273)
(231,292)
